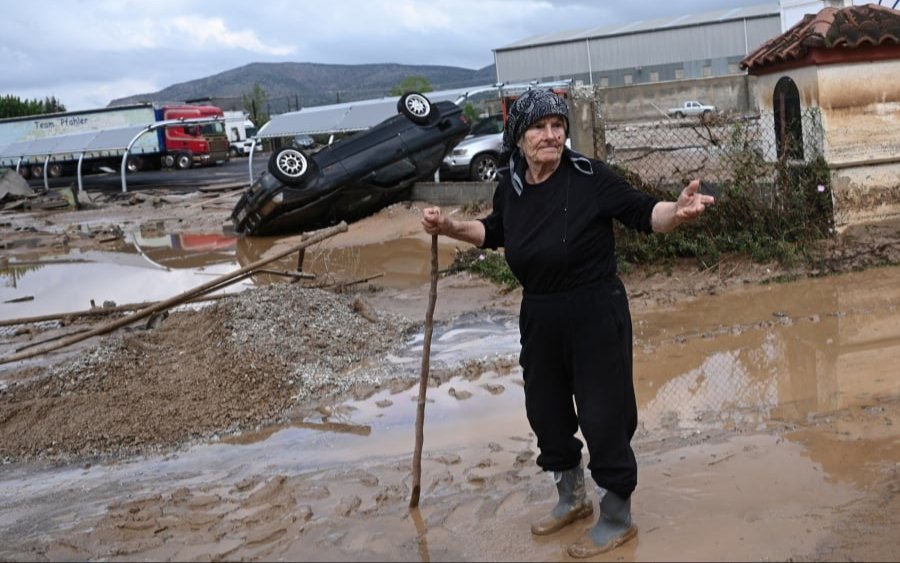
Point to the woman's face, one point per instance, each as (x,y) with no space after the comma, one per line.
(543,141)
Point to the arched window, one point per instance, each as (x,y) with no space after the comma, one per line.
(788,120)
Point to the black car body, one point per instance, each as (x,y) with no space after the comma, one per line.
(353,177)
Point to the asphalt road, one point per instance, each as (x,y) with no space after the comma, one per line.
(233,171)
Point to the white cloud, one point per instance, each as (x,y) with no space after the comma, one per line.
(82,51)
(208,32)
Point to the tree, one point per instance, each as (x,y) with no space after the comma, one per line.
(52,105)
(470,112)
(254,104)
(13,106)
(418,84)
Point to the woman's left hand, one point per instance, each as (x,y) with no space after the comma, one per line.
(691,204)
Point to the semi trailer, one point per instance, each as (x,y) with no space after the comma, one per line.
(175,146)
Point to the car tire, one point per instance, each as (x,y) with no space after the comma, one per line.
(183,161)
(289,165)
(483,168)
(416,107)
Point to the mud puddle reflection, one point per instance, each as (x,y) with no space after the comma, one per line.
(147,265)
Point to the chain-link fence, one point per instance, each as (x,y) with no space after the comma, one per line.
(720,150)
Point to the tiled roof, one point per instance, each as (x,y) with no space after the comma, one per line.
(832,28)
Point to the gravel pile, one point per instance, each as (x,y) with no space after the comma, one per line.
(242,363)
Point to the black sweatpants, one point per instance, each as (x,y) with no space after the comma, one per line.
(578,343)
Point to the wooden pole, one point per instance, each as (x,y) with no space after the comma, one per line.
(423,377)
(177,300)
(97,311)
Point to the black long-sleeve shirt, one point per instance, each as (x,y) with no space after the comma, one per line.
(558,235)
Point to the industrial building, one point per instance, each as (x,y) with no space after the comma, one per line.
(686,47)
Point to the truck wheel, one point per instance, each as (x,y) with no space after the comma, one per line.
(289,165)
(679,114)
(134,164)
(483,168)
(415,106)
(183,161)
(37,171)
(233,152)
(54,170)
(25,172)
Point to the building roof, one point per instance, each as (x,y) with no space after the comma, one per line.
(853,27)
(717,16)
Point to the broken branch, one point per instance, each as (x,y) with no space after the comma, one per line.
(178,299)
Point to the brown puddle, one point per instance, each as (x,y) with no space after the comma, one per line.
(757,435)
(396,263)
(150,266)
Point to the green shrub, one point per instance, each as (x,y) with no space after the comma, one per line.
(783,223)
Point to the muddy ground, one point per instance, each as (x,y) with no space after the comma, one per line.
(156,389)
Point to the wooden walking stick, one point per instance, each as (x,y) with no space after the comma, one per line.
(423,377)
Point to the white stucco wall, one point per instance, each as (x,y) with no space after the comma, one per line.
(792,11)
(860,109)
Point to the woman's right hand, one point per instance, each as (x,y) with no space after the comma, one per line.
(434,222)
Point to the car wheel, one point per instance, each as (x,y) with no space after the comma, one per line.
(415,106)
(483,168)
(288,165)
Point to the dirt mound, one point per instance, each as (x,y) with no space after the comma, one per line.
(237,364)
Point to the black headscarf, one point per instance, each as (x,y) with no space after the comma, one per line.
(528,108)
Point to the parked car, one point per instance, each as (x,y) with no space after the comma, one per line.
(353,177)
(475,157)
(692,108)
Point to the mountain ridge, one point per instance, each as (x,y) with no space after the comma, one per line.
(292,85)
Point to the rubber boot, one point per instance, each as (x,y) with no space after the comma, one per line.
(573,503)
(613,528)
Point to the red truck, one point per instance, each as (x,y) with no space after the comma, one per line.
(178,146)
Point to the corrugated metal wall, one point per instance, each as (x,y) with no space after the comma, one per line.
(718,46)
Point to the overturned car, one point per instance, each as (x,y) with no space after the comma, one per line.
(353,177)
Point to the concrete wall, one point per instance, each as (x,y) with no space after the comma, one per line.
(453,193)
(730,94)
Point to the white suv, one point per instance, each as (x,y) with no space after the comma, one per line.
(475,157)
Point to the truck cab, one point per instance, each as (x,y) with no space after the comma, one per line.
(240,130)
(194,144)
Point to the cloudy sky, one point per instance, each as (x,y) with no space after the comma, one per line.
(88,52)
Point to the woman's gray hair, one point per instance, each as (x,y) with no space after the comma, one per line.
(528,108)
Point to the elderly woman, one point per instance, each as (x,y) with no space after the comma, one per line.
(553,213)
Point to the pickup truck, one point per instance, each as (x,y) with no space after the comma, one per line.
(692,108)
